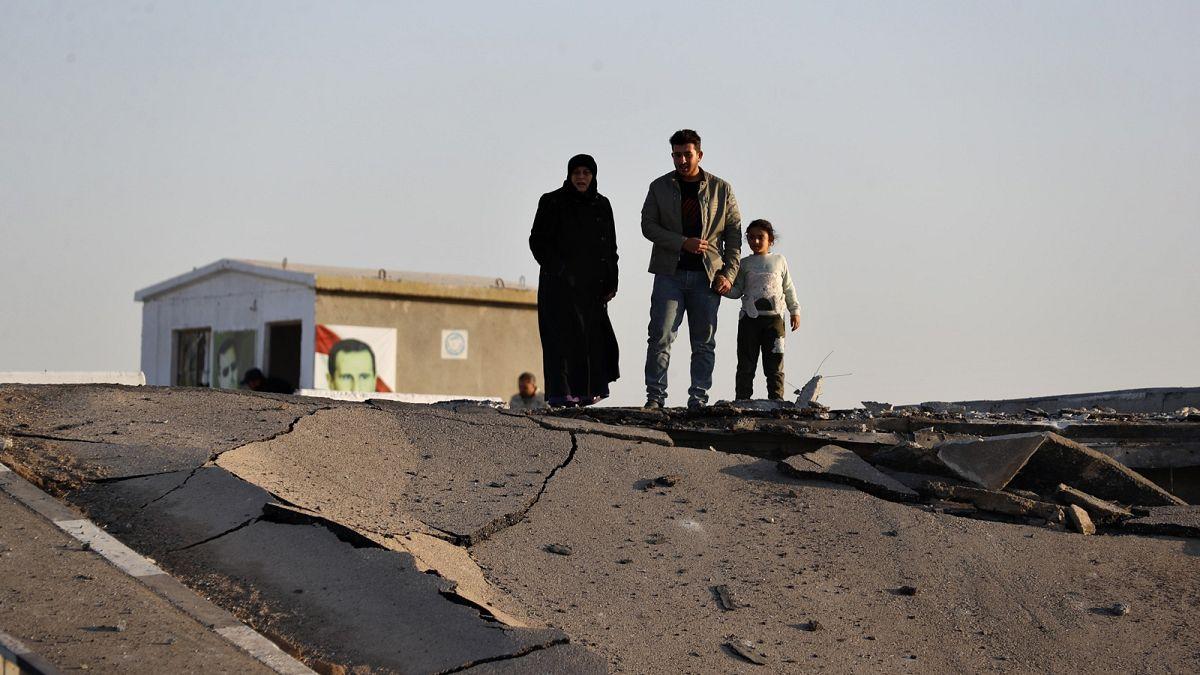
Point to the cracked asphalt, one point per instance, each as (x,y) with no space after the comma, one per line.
(401,538)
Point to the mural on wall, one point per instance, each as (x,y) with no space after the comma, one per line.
(233,355)
(191,358)
(355,358)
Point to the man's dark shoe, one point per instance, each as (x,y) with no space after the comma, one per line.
(695,404)
(652,405)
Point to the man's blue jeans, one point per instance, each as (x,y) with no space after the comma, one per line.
(688,292)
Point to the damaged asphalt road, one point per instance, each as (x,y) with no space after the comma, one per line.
(402,538)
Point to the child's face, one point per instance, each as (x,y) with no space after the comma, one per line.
(759,240)
(527,387)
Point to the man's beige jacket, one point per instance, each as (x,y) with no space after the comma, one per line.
(720,224)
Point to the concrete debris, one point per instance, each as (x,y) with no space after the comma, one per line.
(808,394)
(812,626)
(998,502)
(1101,511)
(747,650)
(558,549)
(912,458)
(725,597)
(1039,461)
(876,407)
(906,590)
(668,480)
(839,465)
(1080,521)
(991,462)
(1061,460)
(1119,609)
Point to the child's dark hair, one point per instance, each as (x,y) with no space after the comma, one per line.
(765,226)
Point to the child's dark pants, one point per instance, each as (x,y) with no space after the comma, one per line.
(760,334)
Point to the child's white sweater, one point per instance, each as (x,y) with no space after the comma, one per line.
(765,287)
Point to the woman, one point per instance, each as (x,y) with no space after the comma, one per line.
(574,241)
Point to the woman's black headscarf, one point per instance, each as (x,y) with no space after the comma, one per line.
(577,161)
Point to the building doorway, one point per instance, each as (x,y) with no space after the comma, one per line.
(283,351)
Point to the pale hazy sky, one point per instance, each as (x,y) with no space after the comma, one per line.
(977,199)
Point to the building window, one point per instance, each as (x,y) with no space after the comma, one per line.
(191,358)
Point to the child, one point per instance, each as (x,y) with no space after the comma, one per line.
(527,397)
(765,287)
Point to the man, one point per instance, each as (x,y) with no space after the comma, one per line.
(256,381)
(527,397)
(692,218)
(352,366)
(227,364)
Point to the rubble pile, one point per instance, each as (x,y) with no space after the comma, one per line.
(1002,466)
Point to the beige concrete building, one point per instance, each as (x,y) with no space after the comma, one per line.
(332,328)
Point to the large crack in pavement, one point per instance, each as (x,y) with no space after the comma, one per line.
(507,657)
(216,454)
(508,520)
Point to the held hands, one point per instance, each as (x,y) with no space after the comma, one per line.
(722,285)
(795,322)
(695,245)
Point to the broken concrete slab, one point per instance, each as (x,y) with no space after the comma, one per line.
(843,466)
(1176,521)
(1101,511)
(98,461)
(592,427)
(992,462)
(918,481)
(1060,460)
(165,512)
(998,502)
(1080,521)
(912,458)
(397,471)
(1039,461)
(149,416)
(353,606)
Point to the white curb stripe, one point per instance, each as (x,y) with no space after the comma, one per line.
(134,564)
(114,551)
(264,650)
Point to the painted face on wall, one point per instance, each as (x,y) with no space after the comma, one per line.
(227,370)
(353,371)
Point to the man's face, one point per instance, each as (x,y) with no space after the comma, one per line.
(687,159)
(581,178)
(227,374)
(527,388)
(353,371)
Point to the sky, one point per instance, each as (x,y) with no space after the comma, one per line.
(976,199)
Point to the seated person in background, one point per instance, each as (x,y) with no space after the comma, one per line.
(254,380)
(527,397)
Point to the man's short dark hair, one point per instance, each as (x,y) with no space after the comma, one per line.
(685,136)
(765,226)
(526,377)
(227,344)
(349,345)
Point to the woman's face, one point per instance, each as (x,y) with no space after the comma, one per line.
(581,178)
